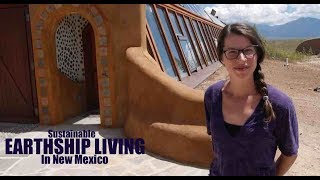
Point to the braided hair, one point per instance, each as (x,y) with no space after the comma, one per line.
(260,85)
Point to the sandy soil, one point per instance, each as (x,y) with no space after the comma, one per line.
(298,80)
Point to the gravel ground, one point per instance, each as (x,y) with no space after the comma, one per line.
(9,130)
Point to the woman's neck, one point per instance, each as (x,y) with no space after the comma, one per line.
(243,88)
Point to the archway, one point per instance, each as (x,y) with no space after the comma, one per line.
(55,97)
(76,61)
(90,68)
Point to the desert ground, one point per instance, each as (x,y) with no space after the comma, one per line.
(298,80)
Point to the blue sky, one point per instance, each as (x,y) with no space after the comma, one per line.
(271,14)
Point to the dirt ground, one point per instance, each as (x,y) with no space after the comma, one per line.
(298,80)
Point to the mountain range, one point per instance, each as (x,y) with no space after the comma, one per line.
(302,28)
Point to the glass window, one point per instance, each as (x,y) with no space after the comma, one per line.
(212,32)
(189,54)
(149,49)
(205,39)
(187,6)
(200,11)
(210,28)
(210,40)
(157,35)
(213,43)
(216,33)
(174,22)
(170,35)
(191,37)
(193,8)
(200,39)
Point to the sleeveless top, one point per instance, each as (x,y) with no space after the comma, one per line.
(251,151)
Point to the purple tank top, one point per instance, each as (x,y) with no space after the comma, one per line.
(252,150)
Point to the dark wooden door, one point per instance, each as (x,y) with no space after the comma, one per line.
(90,68)
(16,94)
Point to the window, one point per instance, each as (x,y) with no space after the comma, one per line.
(205,39)
(181,42)
(188,53)
(149,49)
(170,37)
(157,35)
(191,37)
(174,22)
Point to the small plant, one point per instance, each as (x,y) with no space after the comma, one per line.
(282,49)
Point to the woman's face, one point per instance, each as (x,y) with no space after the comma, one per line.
(239,64)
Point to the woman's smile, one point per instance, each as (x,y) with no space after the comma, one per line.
(241,68)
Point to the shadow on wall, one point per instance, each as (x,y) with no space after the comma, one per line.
(311,46)
(168,115)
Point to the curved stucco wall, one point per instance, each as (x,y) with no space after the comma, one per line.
(168,115)
(313,44)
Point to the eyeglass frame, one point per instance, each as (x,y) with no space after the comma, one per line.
(241,50)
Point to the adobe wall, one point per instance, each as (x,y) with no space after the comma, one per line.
(169,116)
(116,27)
(134,93)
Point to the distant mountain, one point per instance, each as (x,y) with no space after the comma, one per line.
(305,27)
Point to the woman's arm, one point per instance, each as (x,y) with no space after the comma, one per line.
(284,163)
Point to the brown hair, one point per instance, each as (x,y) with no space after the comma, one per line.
(250,33)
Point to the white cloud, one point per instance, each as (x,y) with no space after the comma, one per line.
(271,14)
(308,10)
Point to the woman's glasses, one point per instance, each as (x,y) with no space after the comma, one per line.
(248,52)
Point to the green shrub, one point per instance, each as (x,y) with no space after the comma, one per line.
(282,49)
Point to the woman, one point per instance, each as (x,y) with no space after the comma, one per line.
(247,118)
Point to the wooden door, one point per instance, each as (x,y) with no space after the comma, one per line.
(90,68)
(16,91)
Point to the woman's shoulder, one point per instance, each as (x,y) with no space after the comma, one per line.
(214,88)
(278,97)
